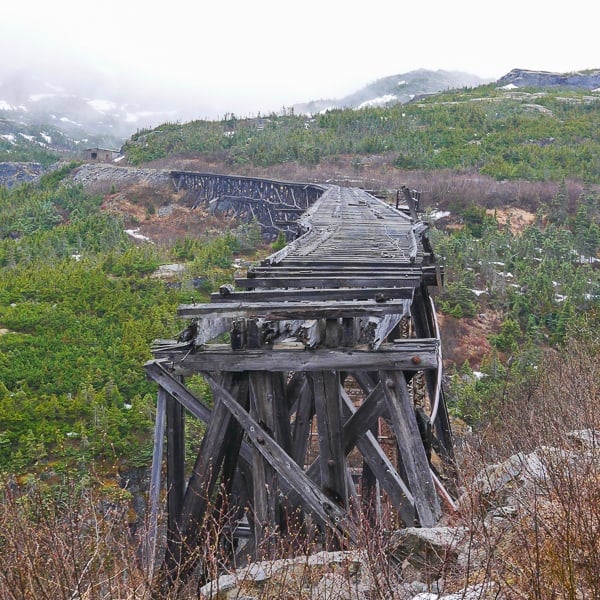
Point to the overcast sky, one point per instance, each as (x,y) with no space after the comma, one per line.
(261,55)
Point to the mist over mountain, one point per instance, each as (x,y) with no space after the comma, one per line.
(396,89)
(66,111)
(75,108)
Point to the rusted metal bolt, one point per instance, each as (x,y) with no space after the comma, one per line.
(260,439)
(331,463)
(416,360)
(390,383)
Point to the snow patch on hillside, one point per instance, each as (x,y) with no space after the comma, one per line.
(385,99)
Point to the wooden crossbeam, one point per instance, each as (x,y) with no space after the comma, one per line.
(312,497)
(383,469)
(367,281)
(318,295)
(273,311)
(167,382)
(401,411)
(356,434)
(345,270)
(408,355)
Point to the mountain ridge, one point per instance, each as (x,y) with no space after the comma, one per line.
(393,89)
(588,79)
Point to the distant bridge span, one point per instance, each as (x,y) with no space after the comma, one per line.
(327,397)
(276,205)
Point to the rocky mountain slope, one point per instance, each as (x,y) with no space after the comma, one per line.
(60,116)
(396,89)
(587,80)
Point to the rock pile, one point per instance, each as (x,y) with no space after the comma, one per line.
(104,176)
(449,562)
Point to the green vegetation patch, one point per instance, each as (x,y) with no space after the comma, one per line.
(531,134)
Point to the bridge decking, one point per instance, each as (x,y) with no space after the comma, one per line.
(342,309)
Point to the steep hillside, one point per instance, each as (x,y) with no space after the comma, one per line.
(506,133)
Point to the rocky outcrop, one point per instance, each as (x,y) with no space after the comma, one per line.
(409,566)
(15,173)
(99,176)
(588,80)
(91,175)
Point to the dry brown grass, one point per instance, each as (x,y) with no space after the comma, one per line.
(443,189)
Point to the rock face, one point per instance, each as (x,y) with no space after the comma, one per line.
(15,173)
(100,175)
(588,80)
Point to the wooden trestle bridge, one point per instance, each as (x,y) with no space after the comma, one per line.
(327,399)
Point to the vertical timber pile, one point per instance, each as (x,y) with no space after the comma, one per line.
(331,334)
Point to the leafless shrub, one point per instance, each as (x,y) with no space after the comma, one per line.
(67,546)
(534,514)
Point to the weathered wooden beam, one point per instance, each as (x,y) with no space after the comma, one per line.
(365,416)
(348,331)
(378,294)
(305,410)
(156,370)
(218,439)
(211,328)
(175,468)
(264,478)
(332,458)
(361,263)
(295,310)
(414,458)
(384,327)
(381,467)
(405,354)
(370,490)
(311,332)
(372,281)
(155,481)
(356,433)
(311,496)
(215,444)
(340,268)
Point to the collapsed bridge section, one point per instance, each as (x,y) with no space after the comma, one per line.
(326,390)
